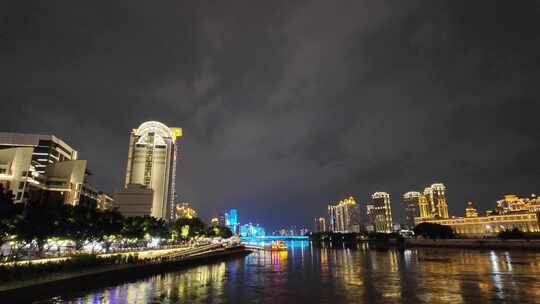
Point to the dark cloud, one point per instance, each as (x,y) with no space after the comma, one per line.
(287,105)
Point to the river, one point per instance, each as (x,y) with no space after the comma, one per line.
(307,274)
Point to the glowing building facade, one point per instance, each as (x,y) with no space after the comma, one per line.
(231,220)
(215,221)
(380,212)
(512,212)
(412,208)
(319,224)
(251,231)
(184,210)
(151,162)
(344,216)
(40,167)
(470,211)
(436,199)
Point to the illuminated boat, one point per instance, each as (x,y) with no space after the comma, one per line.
(278,246)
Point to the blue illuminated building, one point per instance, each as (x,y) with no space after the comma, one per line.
(231,220)
(251,231)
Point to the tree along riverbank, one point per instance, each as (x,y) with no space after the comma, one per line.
(474,243)
(45,286)
(383,241)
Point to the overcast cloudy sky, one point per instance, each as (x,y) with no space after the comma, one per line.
(287,105)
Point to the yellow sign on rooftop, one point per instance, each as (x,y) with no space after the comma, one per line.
(177,132)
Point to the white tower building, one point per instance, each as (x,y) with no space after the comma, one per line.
(152,163)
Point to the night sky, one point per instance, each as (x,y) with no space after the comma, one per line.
(287,105)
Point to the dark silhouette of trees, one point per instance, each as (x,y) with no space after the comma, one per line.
(218,231)
(110,224)
(155,228)
(133,228)
(511,234)
(84,224)
(38,222)
(8,212)
(41,221)
(185,228)
(434,231)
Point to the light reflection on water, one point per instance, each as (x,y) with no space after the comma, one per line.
(328,275)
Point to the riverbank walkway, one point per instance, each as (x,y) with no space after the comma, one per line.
(148,262)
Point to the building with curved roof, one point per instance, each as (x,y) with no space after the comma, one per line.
(152,163)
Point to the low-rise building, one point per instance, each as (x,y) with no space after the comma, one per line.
(43,168)
(134,200)
(104,201)
(512,212)
(251,231)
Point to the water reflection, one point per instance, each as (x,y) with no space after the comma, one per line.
(339,275)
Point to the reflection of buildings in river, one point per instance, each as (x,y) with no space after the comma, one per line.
(387,262)
(349,272)
(279,259)
(197,282)
(324,260)
(446,288)
(492,272)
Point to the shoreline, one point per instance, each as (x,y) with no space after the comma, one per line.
(41,288)
(474,244)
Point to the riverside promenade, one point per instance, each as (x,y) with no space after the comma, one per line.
(152,262)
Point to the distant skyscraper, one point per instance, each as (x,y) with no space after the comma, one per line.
(423,207)
(381,212)
(231,220)
(152,163)
(319,225)
(436,199)
(412,202)
(344,216)
(428,194)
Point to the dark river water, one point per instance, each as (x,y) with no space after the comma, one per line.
(306,274)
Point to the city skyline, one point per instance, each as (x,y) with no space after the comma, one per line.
(311,102)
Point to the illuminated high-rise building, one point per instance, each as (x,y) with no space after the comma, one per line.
(231,220)
(428,194)
(436,199)
(344,216)
(423,207)
(152,163)
(439,199)
(381,212)
(412,208)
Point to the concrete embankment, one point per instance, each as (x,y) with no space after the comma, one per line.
(61,284)
(476,244)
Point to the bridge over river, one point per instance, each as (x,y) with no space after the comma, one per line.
(275,238)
